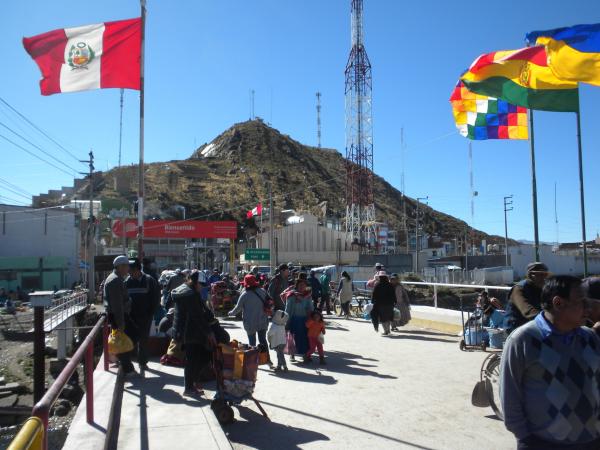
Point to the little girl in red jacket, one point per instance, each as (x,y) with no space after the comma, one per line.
(316,328)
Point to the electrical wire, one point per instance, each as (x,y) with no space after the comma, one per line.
(39,129)
(14,186)
(37,147)
(34,155)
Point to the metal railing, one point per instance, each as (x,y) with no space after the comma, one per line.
(28,436)
(366,291)
(62,308)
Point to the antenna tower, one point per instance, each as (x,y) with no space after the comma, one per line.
(360,206)
(318,119)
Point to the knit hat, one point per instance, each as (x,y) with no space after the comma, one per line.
(250,281)
(120,261)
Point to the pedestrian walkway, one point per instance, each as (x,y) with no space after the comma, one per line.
(153,415)
(408,391)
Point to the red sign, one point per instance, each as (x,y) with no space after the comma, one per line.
(177,229)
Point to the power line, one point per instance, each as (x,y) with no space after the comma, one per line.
(39,129)
(16,192)
(37,147)
(34,155)
(14,186)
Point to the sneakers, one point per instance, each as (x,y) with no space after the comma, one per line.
(385,333)
(192,393)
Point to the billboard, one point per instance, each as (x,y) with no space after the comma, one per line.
(177,229)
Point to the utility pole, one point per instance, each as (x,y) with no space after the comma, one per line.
(90,232)
(318,119)
(403,187)
(417,233)
(507,207)
(251,104)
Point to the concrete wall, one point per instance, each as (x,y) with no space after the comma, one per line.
(556,262)
(393,263)
(41,234)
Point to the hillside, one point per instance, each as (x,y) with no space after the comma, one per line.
(228,176)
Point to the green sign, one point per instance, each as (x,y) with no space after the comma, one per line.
(257,254)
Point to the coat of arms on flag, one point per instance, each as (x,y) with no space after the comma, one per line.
(98,56)
(479,117)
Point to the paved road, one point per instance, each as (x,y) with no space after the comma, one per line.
(411,390)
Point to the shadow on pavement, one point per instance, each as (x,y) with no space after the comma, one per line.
(347,425)
(257,432)
(420,338)
(305,377)
(347,363)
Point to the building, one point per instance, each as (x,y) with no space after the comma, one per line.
(39,249)
(303,240)
(564,262)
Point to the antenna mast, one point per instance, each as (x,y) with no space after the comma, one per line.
(360,206)
(318,119)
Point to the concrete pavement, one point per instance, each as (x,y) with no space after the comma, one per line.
(408,391)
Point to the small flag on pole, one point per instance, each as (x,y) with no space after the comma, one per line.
(255,211)
(479,117)
(99,56)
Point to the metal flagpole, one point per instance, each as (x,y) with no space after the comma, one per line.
(534,189)
(140,211)
(582,196)
(271,231)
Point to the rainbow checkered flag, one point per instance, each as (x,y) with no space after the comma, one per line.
(479,117)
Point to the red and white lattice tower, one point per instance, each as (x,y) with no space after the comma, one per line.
(360,206)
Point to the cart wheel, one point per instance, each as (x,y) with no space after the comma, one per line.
(462,345)
(225,415)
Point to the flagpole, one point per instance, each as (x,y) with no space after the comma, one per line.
(581,195)
(534,188)
(140,211)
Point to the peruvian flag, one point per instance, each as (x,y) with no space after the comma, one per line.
(255,212)
(103,55)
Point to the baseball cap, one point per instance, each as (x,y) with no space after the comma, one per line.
(121,260)
(537,267)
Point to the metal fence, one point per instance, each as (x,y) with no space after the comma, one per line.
(64,307)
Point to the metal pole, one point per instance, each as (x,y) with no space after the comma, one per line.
(271,231)
(89,383)
(121,127)
(507,202)
(417,239)
(534,189)
(90,233)
(140,211)
(582,196)
(39,363)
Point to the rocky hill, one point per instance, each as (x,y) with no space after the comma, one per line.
(228,176)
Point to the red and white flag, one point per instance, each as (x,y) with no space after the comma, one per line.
(255,212)
(103,55)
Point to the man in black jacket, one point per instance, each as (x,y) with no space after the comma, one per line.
(144,293)
(118,306)
(383,299)
(192,328)
(525,298)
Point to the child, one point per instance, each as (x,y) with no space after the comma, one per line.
(276,337)
(316,327)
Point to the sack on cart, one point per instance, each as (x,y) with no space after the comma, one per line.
(239,363)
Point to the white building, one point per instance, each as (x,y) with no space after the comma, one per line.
(39,248)
(558,263)
(306,242)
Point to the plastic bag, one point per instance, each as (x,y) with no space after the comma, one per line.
(119,342)
(290,344)
(321,338)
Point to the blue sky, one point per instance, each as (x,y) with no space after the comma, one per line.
(203,57)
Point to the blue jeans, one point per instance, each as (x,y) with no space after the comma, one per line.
(262,338)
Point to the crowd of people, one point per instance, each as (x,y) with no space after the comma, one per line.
(283,313)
